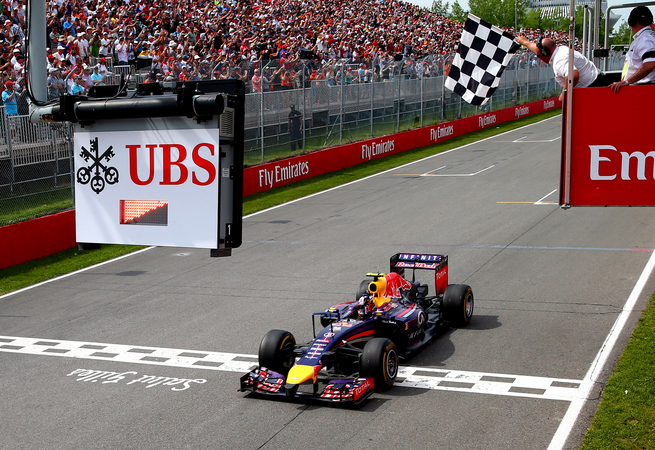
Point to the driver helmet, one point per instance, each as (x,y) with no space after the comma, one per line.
(365,305)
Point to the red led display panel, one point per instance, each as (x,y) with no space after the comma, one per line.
(144,212)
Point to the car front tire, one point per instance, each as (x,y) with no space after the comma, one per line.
(380,361)
(276,351)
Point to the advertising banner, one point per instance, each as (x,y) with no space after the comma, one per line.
(147,187)
(612,155)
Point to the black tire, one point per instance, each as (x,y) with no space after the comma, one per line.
(362,289)
(276,351)
(458,304)
(380,362)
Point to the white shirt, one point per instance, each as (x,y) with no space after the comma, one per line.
(641,50)
(121,49)
(83,47)
(560,62)
(104,46)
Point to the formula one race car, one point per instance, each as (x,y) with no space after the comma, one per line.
(359,346)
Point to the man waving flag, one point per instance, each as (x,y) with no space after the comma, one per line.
(483,53)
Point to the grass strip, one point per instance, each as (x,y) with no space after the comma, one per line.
(625,418)
(32,272)
(13,210)
(26,274)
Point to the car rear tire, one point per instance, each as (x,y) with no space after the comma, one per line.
(362,289)
(380,362)
(458,304)
(276,351)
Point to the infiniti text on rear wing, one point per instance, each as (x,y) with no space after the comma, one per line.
(439,263)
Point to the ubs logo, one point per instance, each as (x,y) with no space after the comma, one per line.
(97,174)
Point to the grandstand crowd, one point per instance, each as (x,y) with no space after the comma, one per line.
(269,44)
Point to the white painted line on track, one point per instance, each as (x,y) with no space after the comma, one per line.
(592,376)
(455,174)
(409,376)
(439,168)
(541,200)
(521,141)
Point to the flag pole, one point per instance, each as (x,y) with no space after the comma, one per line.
(569,109)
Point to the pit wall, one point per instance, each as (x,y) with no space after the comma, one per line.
(47,235)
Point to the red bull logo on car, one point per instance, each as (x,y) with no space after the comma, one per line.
(387,287)
(394,283)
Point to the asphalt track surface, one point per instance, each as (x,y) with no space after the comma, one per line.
(145,352)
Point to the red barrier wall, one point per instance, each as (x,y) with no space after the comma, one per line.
(32,239)
(44,236)
(612,161)
(264,177)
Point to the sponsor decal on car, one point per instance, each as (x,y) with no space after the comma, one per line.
(368,384)
(415,257)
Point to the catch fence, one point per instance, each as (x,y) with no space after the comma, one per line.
(342,104)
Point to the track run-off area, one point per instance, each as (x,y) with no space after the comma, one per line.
(146,351)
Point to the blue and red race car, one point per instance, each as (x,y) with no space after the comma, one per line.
(358,349)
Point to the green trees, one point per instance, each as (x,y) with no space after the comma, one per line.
(535,20)
(458,14)
(502,13)
(438,7)
(622,36)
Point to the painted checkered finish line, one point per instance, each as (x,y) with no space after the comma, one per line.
(409,377)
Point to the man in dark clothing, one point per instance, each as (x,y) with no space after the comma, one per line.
(295,128)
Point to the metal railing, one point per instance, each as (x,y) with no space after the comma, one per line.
(36,160)
(35,168)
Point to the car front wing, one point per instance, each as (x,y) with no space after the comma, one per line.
(342,390)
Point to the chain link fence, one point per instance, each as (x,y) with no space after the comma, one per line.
(339,102)
(36,167)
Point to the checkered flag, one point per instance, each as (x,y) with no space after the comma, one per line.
(483,53)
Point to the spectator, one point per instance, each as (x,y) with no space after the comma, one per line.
(22,100)
(255,34)
(77,88)
(87,80)
(102,67)
(257,82)
(96,77)
(9,98)
(56,86)
(94,43)
(295,128)
(82,45)
(11,108)
(121,48)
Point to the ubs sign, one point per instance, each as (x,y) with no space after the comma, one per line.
(152,187)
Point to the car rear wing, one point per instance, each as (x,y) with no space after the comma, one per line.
(439,263)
